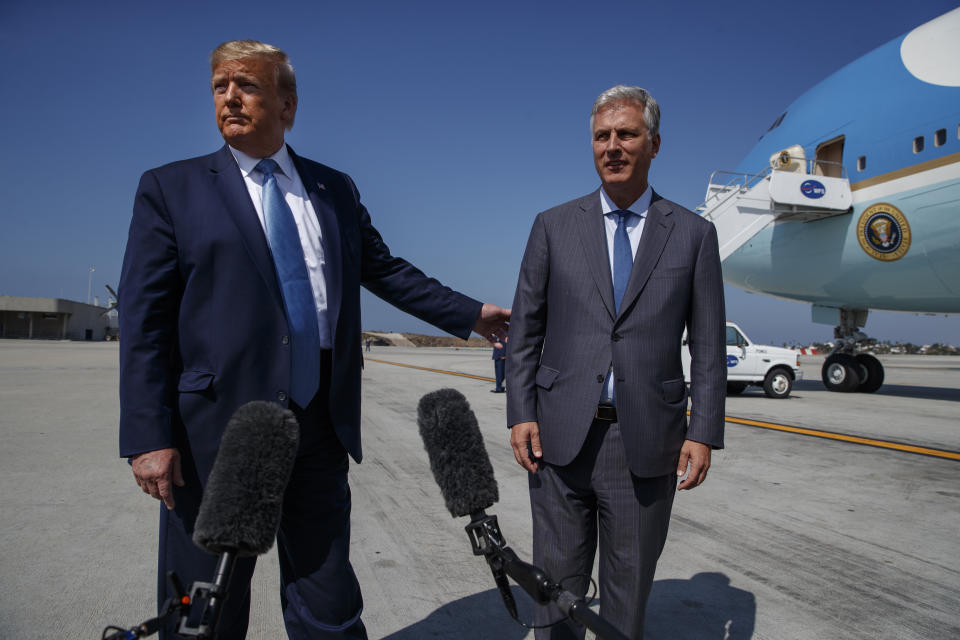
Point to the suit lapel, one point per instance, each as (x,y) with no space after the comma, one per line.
(228,182)
(656,230)
(593,239)
(322,201)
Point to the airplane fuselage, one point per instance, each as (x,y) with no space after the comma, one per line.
(892,119)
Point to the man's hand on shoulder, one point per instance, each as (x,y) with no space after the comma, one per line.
(493,323)
(154,471)
(524,438)
(697,456)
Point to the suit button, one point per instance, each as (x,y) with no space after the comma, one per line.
(600,378)
(285,340)
(616,337)
(281,395)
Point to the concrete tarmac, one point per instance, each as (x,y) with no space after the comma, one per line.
(791,538)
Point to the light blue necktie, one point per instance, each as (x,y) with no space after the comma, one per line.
(284,240)
(622,265)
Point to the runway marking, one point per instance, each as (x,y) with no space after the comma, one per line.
(816,433)
(449,373)
(872,442)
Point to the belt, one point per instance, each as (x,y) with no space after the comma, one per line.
(606,412)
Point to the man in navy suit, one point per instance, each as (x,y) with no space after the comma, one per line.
(210,321)
(597,401)
(499,358)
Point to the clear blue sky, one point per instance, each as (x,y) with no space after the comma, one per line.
(458,121)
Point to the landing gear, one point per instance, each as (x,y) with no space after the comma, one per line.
(846,370)
(841,372)
(871,373)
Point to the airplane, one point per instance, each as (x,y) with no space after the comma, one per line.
(851,199)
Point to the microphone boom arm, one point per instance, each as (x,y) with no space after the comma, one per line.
(487,540)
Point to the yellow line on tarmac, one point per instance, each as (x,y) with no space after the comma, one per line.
(449,373)
(817,433)
(885,444)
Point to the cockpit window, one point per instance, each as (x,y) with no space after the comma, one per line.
(776,123)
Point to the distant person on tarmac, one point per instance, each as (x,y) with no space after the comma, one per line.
(499,364)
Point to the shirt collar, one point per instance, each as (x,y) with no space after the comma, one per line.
(639,207)
(248,164)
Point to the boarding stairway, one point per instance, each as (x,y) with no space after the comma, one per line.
(791,188)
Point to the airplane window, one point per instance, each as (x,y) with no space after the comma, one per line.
(918,144)
(940,138)
(861,163)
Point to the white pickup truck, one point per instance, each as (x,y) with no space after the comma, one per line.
(772,368)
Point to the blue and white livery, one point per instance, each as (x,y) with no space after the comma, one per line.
(851,200)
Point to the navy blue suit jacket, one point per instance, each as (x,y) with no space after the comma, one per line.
(202,322)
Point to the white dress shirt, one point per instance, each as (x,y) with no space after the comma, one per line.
(634,226)
(308,225)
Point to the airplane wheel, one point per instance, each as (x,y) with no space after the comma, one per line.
(777,383)
(735,388)
(841,372)
(873,369)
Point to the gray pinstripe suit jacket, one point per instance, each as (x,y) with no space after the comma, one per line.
(564,334)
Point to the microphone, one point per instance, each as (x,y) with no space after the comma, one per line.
(458,458)
(242,501)
(240,510)
(461,467)
(239,514)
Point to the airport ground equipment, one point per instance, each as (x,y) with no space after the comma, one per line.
(748,363)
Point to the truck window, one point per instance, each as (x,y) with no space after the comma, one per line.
(734,338)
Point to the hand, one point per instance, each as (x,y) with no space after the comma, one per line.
(697,455)
(525,436)
(493,324)
(155,470)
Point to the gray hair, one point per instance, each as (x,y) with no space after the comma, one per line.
(239,49)
(623,93)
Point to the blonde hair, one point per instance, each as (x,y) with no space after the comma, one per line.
(239,49)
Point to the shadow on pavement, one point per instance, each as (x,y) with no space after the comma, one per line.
(705,607)
(894,390)
(480,616)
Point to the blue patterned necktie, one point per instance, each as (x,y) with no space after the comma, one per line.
(301,308)
(622,265)
(622,258)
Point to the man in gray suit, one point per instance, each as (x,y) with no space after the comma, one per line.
(597,401)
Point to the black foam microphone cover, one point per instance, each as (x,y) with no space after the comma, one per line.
(240,510)
(458,458)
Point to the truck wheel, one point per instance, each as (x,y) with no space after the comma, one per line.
(735,388)
(841,372)
(873,369)
(777,383)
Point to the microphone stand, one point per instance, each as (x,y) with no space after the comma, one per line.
(176,605)
(199,621)
(487,540)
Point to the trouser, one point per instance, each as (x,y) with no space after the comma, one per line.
(320,594)
(596,497)
(498,368)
